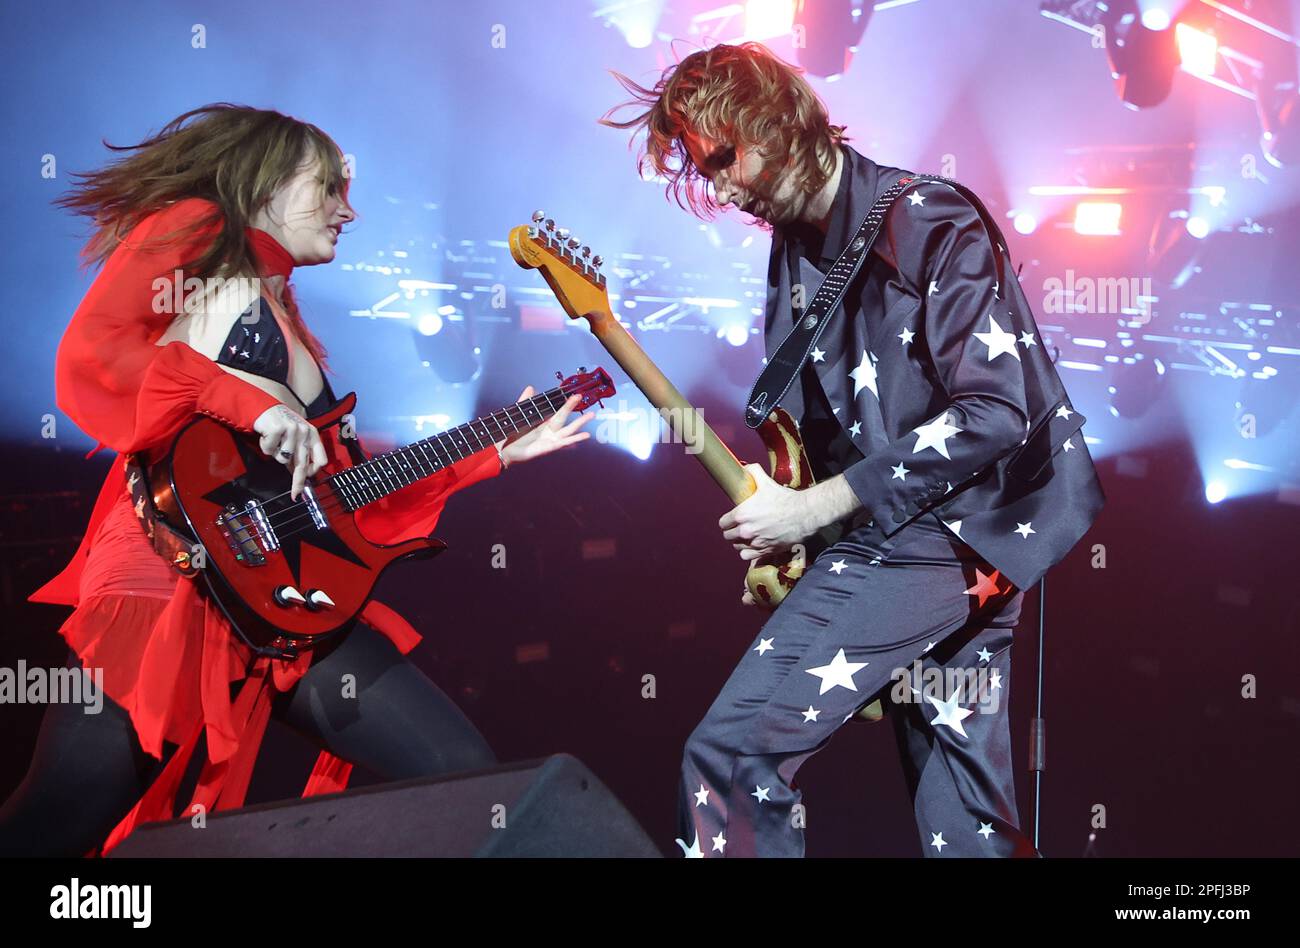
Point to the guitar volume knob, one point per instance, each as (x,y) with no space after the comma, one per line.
(288,596)
(318,599)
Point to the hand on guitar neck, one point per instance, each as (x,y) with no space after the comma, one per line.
(558,431)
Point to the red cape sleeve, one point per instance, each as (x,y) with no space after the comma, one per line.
(111,379)
(120,388)
(413,511)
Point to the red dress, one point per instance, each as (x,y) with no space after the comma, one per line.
(168,654)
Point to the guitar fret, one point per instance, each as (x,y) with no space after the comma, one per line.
(383,474)
(434,464)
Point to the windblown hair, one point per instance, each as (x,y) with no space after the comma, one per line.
(233,155)
(738,94)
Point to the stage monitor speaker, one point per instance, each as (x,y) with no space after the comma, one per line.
(541,808)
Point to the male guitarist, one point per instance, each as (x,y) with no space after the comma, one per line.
(952,472)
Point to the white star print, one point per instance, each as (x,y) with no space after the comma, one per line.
(986,829)
(929,645)
(917,199)
(855,429)
(935,434)
(818,355)
(900,473)
(839,673)
(1027,339)
(906,335)
(764,645)
(810,714)
(984,654)
(953,525)
(719,843)
(702,796)
(693,851)
(1069,445)
(760,793)
(1064,412)
(838,567)
(995,680)
(998,340)
(1024,529)
(864,376)
(934,288)
(950,713)
(938,842)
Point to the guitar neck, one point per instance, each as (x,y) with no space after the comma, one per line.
(685,420)
(386,473)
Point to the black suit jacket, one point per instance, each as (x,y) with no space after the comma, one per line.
(936,373)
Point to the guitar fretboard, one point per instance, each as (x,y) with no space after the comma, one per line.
(385,473)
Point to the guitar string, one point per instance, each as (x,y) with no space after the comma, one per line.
(505,411)
(286,519)
(300,513)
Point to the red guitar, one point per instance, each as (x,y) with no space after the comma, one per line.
(288,574)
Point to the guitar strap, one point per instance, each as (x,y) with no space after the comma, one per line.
(169,544)
(784,366)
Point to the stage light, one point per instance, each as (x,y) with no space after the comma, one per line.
(636,20)
(828,33)
(1097,218)
(1198,51)
(1142,60)
(1198,227)
(1280,140)
(1215,491)
(1156,18)
(1138,383)
(767,19)
(1025,223)
(735,333)
(442,344)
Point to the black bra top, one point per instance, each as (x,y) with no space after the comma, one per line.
(256,344)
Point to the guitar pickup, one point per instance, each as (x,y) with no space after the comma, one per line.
(248,532)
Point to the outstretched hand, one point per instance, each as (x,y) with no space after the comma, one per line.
(559,431)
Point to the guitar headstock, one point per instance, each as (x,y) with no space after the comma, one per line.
(591,386)
(569,267)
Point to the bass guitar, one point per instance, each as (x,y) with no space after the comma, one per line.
(288,574)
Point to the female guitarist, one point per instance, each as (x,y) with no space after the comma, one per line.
(241,195)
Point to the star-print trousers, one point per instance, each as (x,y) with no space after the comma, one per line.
(919,614)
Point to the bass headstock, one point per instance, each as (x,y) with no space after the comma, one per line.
(591,386)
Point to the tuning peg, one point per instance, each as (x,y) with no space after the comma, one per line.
(597,260)
(539,216)
(562,233)
(550,223)
(586,252)
(574,243)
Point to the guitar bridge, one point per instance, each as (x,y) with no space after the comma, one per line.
(248,532)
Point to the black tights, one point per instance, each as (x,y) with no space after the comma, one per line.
(88,770)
